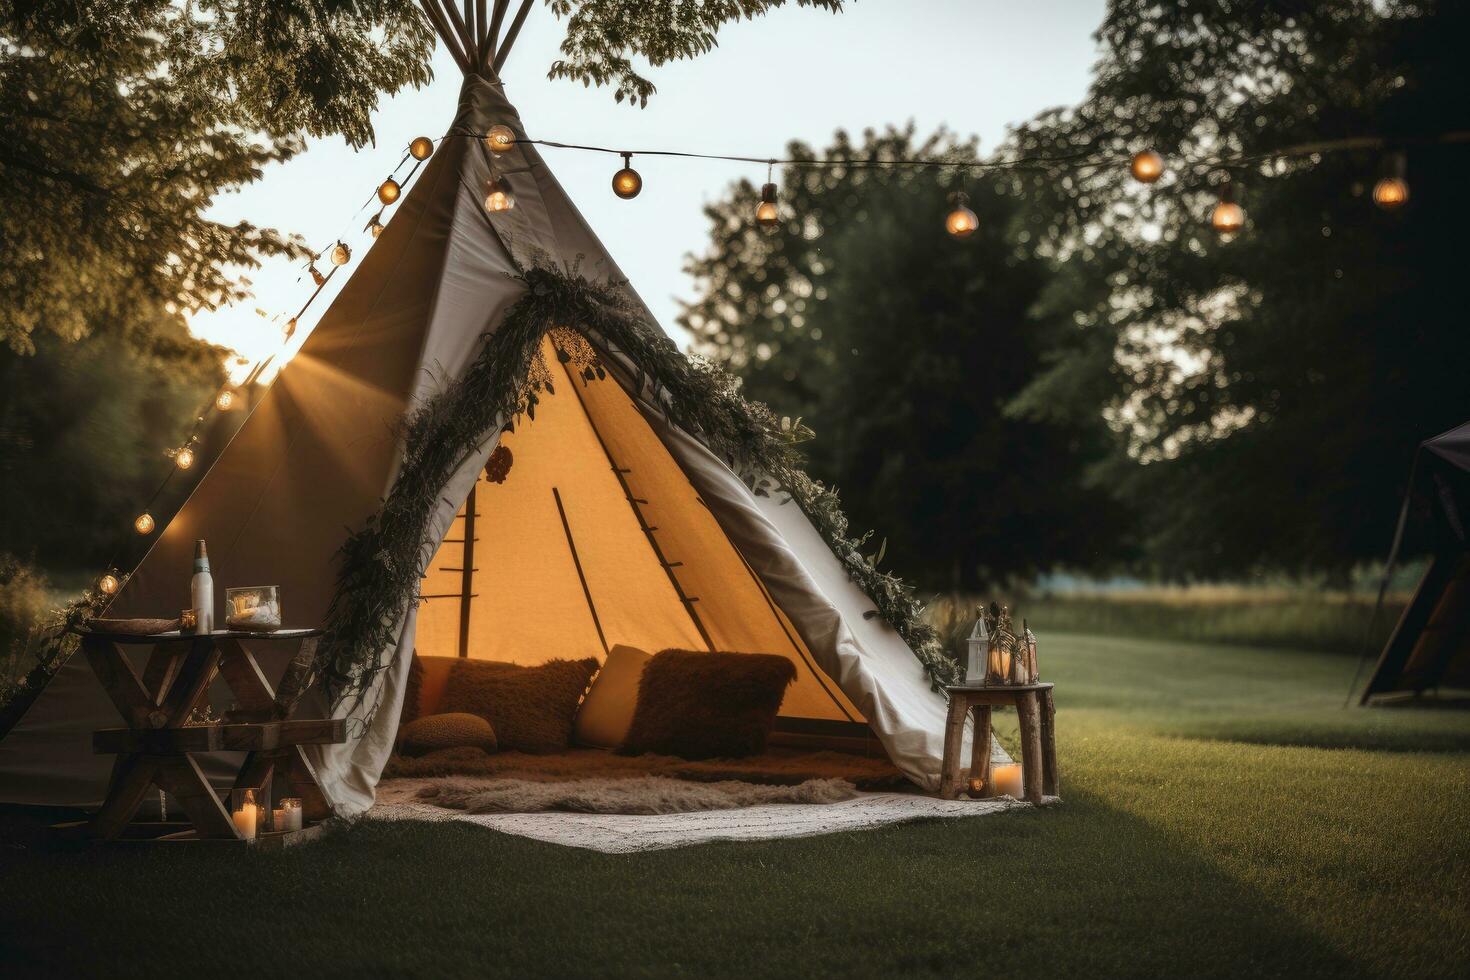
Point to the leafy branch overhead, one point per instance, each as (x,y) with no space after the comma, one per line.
(605,36)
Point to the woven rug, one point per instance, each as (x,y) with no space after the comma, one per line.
(613,833)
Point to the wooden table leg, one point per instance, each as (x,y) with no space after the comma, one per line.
(182,778)
(132,777)
(1028,712)
(1050,781)
(980,749)
(954,742)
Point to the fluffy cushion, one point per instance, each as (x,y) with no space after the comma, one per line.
(530,708)
(707,705)
(450,731)
(607,713)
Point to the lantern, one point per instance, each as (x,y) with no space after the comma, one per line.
(979,651)
(1004,648)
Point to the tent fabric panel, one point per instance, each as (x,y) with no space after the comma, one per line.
(727,597)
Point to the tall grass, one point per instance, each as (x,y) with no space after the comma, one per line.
(1335,622)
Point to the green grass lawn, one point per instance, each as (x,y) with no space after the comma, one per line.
(1223,815)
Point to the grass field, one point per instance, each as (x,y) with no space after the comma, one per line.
(1223,815)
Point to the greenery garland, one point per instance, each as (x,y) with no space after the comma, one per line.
(381,566)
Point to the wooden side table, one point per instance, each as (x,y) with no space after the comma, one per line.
(157,747)
(1037,714)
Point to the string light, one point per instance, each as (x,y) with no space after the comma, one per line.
(421,148)
(500,139)
(184,458)
(375,224)
(498,196)
(626,183)
(1228,217)
(143,523)
(225,400)
(961,221)
(289,330)
(389,190)
(316,274)
(1392,191)
(341,254)
(767,212)
(108,584)
(1147,166)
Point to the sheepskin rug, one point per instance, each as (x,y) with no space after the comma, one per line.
(628,795)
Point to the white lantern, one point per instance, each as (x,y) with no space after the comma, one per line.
(979,649)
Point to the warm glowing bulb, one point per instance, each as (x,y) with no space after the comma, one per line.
(626,183)
(389,190)
(498,196)
(184,458)
(108,584)
(421,148)
(961,222)
(500,139)
(767,212)
(289,330)
(225,400)
(375,227)
(341,254)
(1147,166)
(1391,193)
(144,523)
(1227,218)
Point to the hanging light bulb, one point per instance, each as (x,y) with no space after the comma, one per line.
(961,221)
(143,523)
(1392,191)
(626,183)
(225,400)
(500,139)
(421,148)
(316,274)
(498,196)
(184,458)
(341,254)
(389,190)
(1147,166)
(375,225)
(1228,217)
(108,584)
(767,212)
(289,330)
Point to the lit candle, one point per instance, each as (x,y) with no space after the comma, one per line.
(245,819)
(1005,777)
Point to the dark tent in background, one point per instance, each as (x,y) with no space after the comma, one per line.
(1430,646)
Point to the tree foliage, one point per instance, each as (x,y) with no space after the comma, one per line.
(604,36)
(1265,393)
(900,347)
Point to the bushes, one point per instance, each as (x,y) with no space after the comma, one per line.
(24,600)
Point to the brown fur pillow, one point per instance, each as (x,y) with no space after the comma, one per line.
(530,708)
(708,705)
(449,731)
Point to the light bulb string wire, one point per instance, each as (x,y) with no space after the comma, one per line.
(251,377)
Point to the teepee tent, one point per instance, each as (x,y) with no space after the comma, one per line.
(593,492)
(1430,647)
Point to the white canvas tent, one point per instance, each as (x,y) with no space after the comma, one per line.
(612,526)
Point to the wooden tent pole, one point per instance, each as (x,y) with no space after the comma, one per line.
(492,36)
(467,573)
(446,35)
(481,33)
(510,35)
(581,576)
(459,25)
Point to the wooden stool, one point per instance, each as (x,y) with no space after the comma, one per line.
(1037,713)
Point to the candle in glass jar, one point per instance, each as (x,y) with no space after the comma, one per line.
(280,819)
(1005,778)
(245,820)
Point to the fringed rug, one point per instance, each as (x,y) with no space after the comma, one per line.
(621,833)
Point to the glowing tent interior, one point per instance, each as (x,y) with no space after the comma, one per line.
(611,525)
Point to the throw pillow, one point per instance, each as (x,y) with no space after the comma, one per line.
(707,705)
(607,711)
(530,708)
(432,733)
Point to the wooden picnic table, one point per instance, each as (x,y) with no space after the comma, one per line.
(158,746)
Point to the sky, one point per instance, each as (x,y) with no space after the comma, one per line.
(974,66)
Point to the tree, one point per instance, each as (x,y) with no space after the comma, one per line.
(900,346)
(1266,393)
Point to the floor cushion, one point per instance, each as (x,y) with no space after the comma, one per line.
(707,705)
(607,711)
(530,708)
(446,731)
